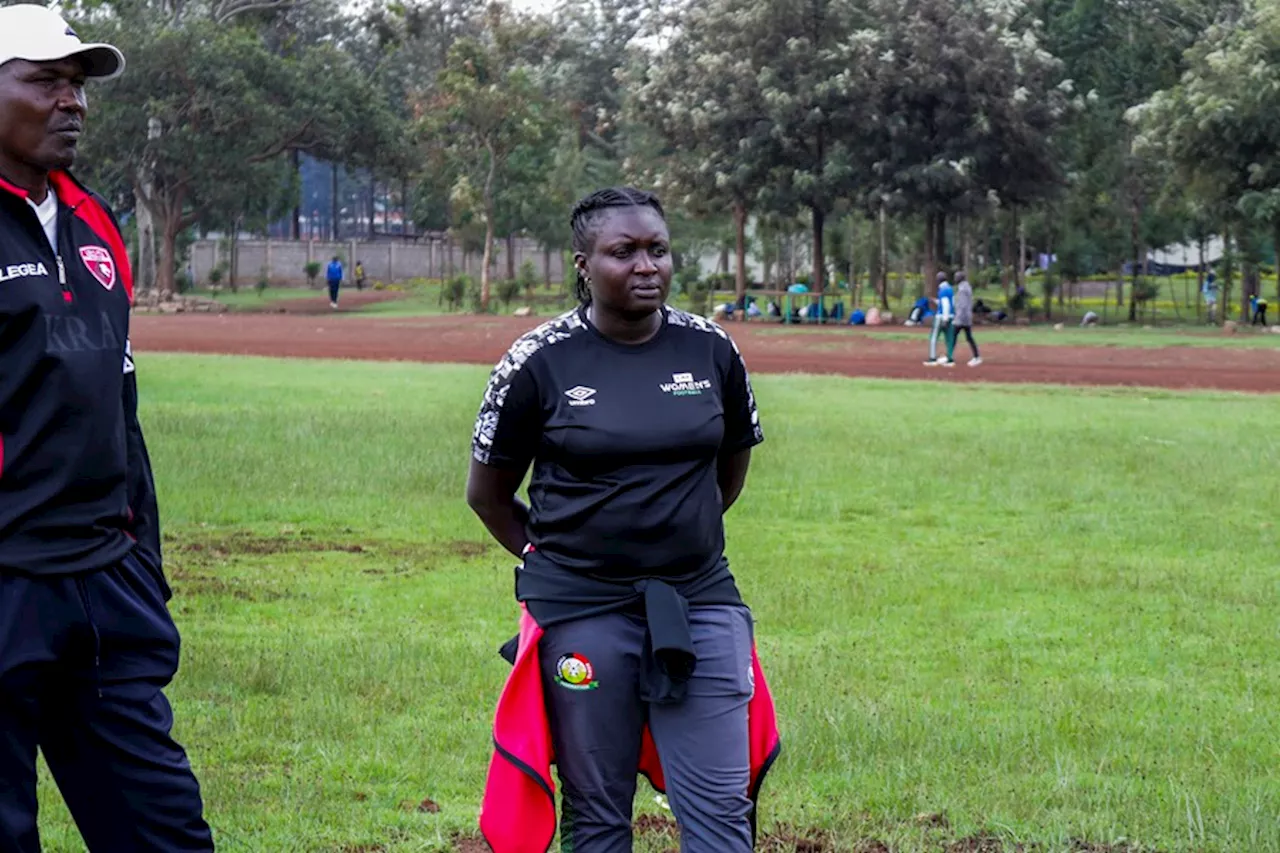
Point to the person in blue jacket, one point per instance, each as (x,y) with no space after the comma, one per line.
(334,276)
(942,324)
(919,312)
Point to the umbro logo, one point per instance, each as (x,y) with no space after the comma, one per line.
(580,395)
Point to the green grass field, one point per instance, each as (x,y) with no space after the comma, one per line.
(1042,614)
(249,298)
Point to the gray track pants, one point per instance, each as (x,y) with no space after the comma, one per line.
(592,675)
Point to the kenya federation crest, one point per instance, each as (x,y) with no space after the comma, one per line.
(100,263)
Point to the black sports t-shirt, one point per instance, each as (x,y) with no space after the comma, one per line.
(623,440)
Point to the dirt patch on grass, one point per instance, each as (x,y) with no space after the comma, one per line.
(789,839)
(241,542)
(467,549)
(981,843)
(988,843)
(470,845)
(196,583)
(782,839)
(194,557)
(655,825)
(214,547)
(873,845)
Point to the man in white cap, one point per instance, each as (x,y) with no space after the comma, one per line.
(86,641)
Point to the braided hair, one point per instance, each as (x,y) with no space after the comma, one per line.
(586,217)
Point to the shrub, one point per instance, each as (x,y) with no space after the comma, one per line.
(455,290)
(508,291)
(312,269)
(528,278)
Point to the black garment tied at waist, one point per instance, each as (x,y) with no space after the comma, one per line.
(555,595)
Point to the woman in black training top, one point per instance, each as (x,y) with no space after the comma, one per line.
(638,420)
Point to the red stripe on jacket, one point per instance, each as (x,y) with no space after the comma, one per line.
(519,814)
(89,211)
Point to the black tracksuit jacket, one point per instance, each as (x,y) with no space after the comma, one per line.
(76,492)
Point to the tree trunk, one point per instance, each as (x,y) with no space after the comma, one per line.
(966,246)
(546,268)
(819,221)
(334,231)
(233,272)
(1249,284)
(1200,274)
(145,270)
(511,257)
(853,260)
(295,224)
(1228,272)
(930,274)
(488,229)
(172,226)
(386,208)
(740,256)
(373,206)
(168,251)
(1020,271)
(1006,254)
(940,235)
(883,283)
(1135,239)
(1275,243)
(405,230)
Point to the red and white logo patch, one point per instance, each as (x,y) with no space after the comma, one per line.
(100,263)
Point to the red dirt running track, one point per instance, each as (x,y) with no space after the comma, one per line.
(767,349)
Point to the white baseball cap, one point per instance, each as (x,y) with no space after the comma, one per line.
(39,34)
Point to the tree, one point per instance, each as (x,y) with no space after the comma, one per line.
(597,41)
(200,124)
(968,102)
(1220,126)
(704,100)
(814,61)
(1119,54)
(486,108)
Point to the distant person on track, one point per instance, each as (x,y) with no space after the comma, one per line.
(919,312)
(942,325)
(1209,291)
(964,320)
(87,644)
(1258,303)
(359,275)
(333,274)
(636,651)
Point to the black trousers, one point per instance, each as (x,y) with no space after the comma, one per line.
(83,663)
(968,336)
